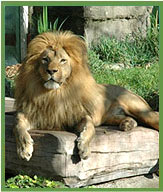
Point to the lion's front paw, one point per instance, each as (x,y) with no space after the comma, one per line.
(83,147)
(128,124)
(25,147)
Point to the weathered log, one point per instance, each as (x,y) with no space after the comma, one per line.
(115,154)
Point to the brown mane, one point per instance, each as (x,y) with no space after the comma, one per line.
(66,106)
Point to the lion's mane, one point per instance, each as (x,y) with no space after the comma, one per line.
(65,107)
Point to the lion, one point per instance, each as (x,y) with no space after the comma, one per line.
(56,91)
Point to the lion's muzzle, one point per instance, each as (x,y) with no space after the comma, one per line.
(52,84)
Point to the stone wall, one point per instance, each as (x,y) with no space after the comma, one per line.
(117,21)
(96,21)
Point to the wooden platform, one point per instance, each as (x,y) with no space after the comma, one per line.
(115,154)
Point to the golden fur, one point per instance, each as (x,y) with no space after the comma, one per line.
(60,94)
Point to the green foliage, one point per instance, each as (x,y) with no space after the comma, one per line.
(44,25)
(135,51)
(24,181)
(9,87)
(95,63)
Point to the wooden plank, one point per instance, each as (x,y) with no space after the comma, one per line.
(115,154)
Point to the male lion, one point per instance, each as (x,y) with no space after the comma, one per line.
(56,91)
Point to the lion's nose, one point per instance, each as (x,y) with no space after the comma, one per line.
(51,72)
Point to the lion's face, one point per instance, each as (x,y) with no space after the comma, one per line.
(54,67)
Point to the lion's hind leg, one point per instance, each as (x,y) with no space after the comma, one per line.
(24,141)
(117,116)
(149,117)
(137,107)
(125,114)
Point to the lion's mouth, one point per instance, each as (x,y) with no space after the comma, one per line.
(52,84)
(53,80)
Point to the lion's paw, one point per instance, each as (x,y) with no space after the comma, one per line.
(128,124)
(83,148)
(25,147)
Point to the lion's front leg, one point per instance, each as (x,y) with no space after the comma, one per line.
(87,131)
(24,142)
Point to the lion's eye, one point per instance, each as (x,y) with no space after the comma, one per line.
(45,60)
(62,61)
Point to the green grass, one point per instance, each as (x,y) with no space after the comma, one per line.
(141,81)
(130,53)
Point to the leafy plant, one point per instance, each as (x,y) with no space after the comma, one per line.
(24,181)
(9,87)
(44,25)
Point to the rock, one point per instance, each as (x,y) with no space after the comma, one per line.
(142,181)
(115,67)
(115,12)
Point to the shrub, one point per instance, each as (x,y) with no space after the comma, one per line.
(24,181)
(9,87)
